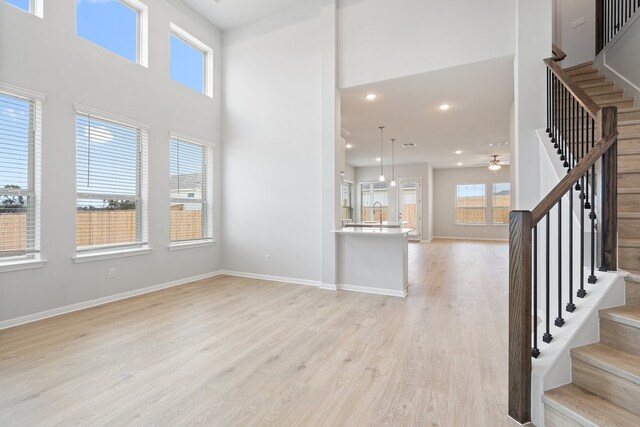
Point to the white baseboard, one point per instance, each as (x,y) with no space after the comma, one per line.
(10,323)
(293,280)
(377,291)
(486,239)
(328,286)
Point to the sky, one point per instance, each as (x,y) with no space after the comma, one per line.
(14,152)
(22,4)
(113,25)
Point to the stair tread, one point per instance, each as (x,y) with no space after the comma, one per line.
(627,315)
(590,85)
(610,359)
(587,408)
(628,190)
(628,215)
(629,243)
(578,66)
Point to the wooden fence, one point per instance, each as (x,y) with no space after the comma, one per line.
(101,227)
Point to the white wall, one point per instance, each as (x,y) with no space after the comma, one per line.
(621,59)
(385,39)
(578,43)
(45,55)
(533,43)
(272,192)
(420,170)
(444,202)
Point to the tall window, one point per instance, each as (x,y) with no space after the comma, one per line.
(19,176)
(117,25)
(347,200)
(471,204)
(501,202)
(190,183)
(370,194)
(191,61)
(110,184)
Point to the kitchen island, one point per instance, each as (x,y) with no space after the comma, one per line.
(373,260)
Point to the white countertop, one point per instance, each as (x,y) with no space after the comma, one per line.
(374,231)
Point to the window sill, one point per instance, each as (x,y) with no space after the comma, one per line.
(192,244)
(21,264)
(101,255)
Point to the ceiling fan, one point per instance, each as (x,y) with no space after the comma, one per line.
(495,164)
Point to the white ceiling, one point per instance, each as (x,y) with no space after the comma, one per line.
(228,14)
(480,95)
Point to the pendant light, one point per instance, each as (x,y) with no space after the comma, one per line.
(393,162)
(381,179)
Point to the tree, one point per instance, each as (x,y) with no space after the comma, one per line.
(120,205)
(12,203)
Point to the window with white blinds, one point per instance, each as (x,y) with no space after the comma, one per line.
(110,184)
(190,185)
(19,176)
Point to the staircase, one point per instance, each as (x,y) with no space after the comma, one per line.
(606,375)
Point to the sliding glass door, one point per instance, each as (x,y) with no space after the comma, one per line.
(410,205)
(370,193)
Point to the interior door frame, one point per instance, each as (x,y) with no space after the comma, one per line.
(418,179)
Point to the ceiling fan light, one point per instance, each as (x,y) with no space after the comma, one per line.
(494,167)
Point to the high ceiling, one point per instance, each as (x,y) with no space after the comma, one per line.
(480,96)
(228,14)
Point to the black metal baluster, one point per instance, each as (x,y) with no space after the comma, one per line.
(562,117)
(581,292)
(554,138)
(603,211)
(547,337)
(549,102)
(592,215)
(571,307)
(535,351)
(559,320)
(580,148)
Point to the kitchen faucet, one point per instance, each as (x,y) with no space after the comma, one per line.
(374,212)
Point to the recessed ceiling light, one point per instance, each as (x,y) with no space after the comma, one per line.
(459,164)
(348,146)
(458,151)
(371,96)
(444,107)
(491,145)
(378,159)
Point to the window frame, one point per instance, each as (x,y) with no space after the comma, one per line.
(207,72)
(372,191)
(456,207)
(142,32)
(208,231)
(35,7)
(141,246)
(351,206)
(493,206)
(31,257)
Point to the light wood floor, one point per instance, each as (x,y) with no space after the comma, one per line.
(239,352)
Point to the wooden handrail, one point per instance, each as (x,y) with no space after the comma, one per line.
(578,93)
(561,189)
(558,54)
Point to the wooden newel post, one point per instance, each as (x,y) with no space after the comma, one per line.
(520,269)
(599,26)
(608,125)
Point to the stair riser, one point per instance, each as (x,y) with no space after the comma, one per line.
(621,336)
(600,88)
(629,146)
(633,294)
(629,180)
(553,418)
(629,258)
(608,97)
(629,228)
(628,203)
(629,103)
(628,115)
(588,77)
(629,163)
(606,385)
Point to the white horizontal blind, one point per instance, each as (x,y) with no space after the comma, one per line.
(109,184)
(190,176)
(19,182)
